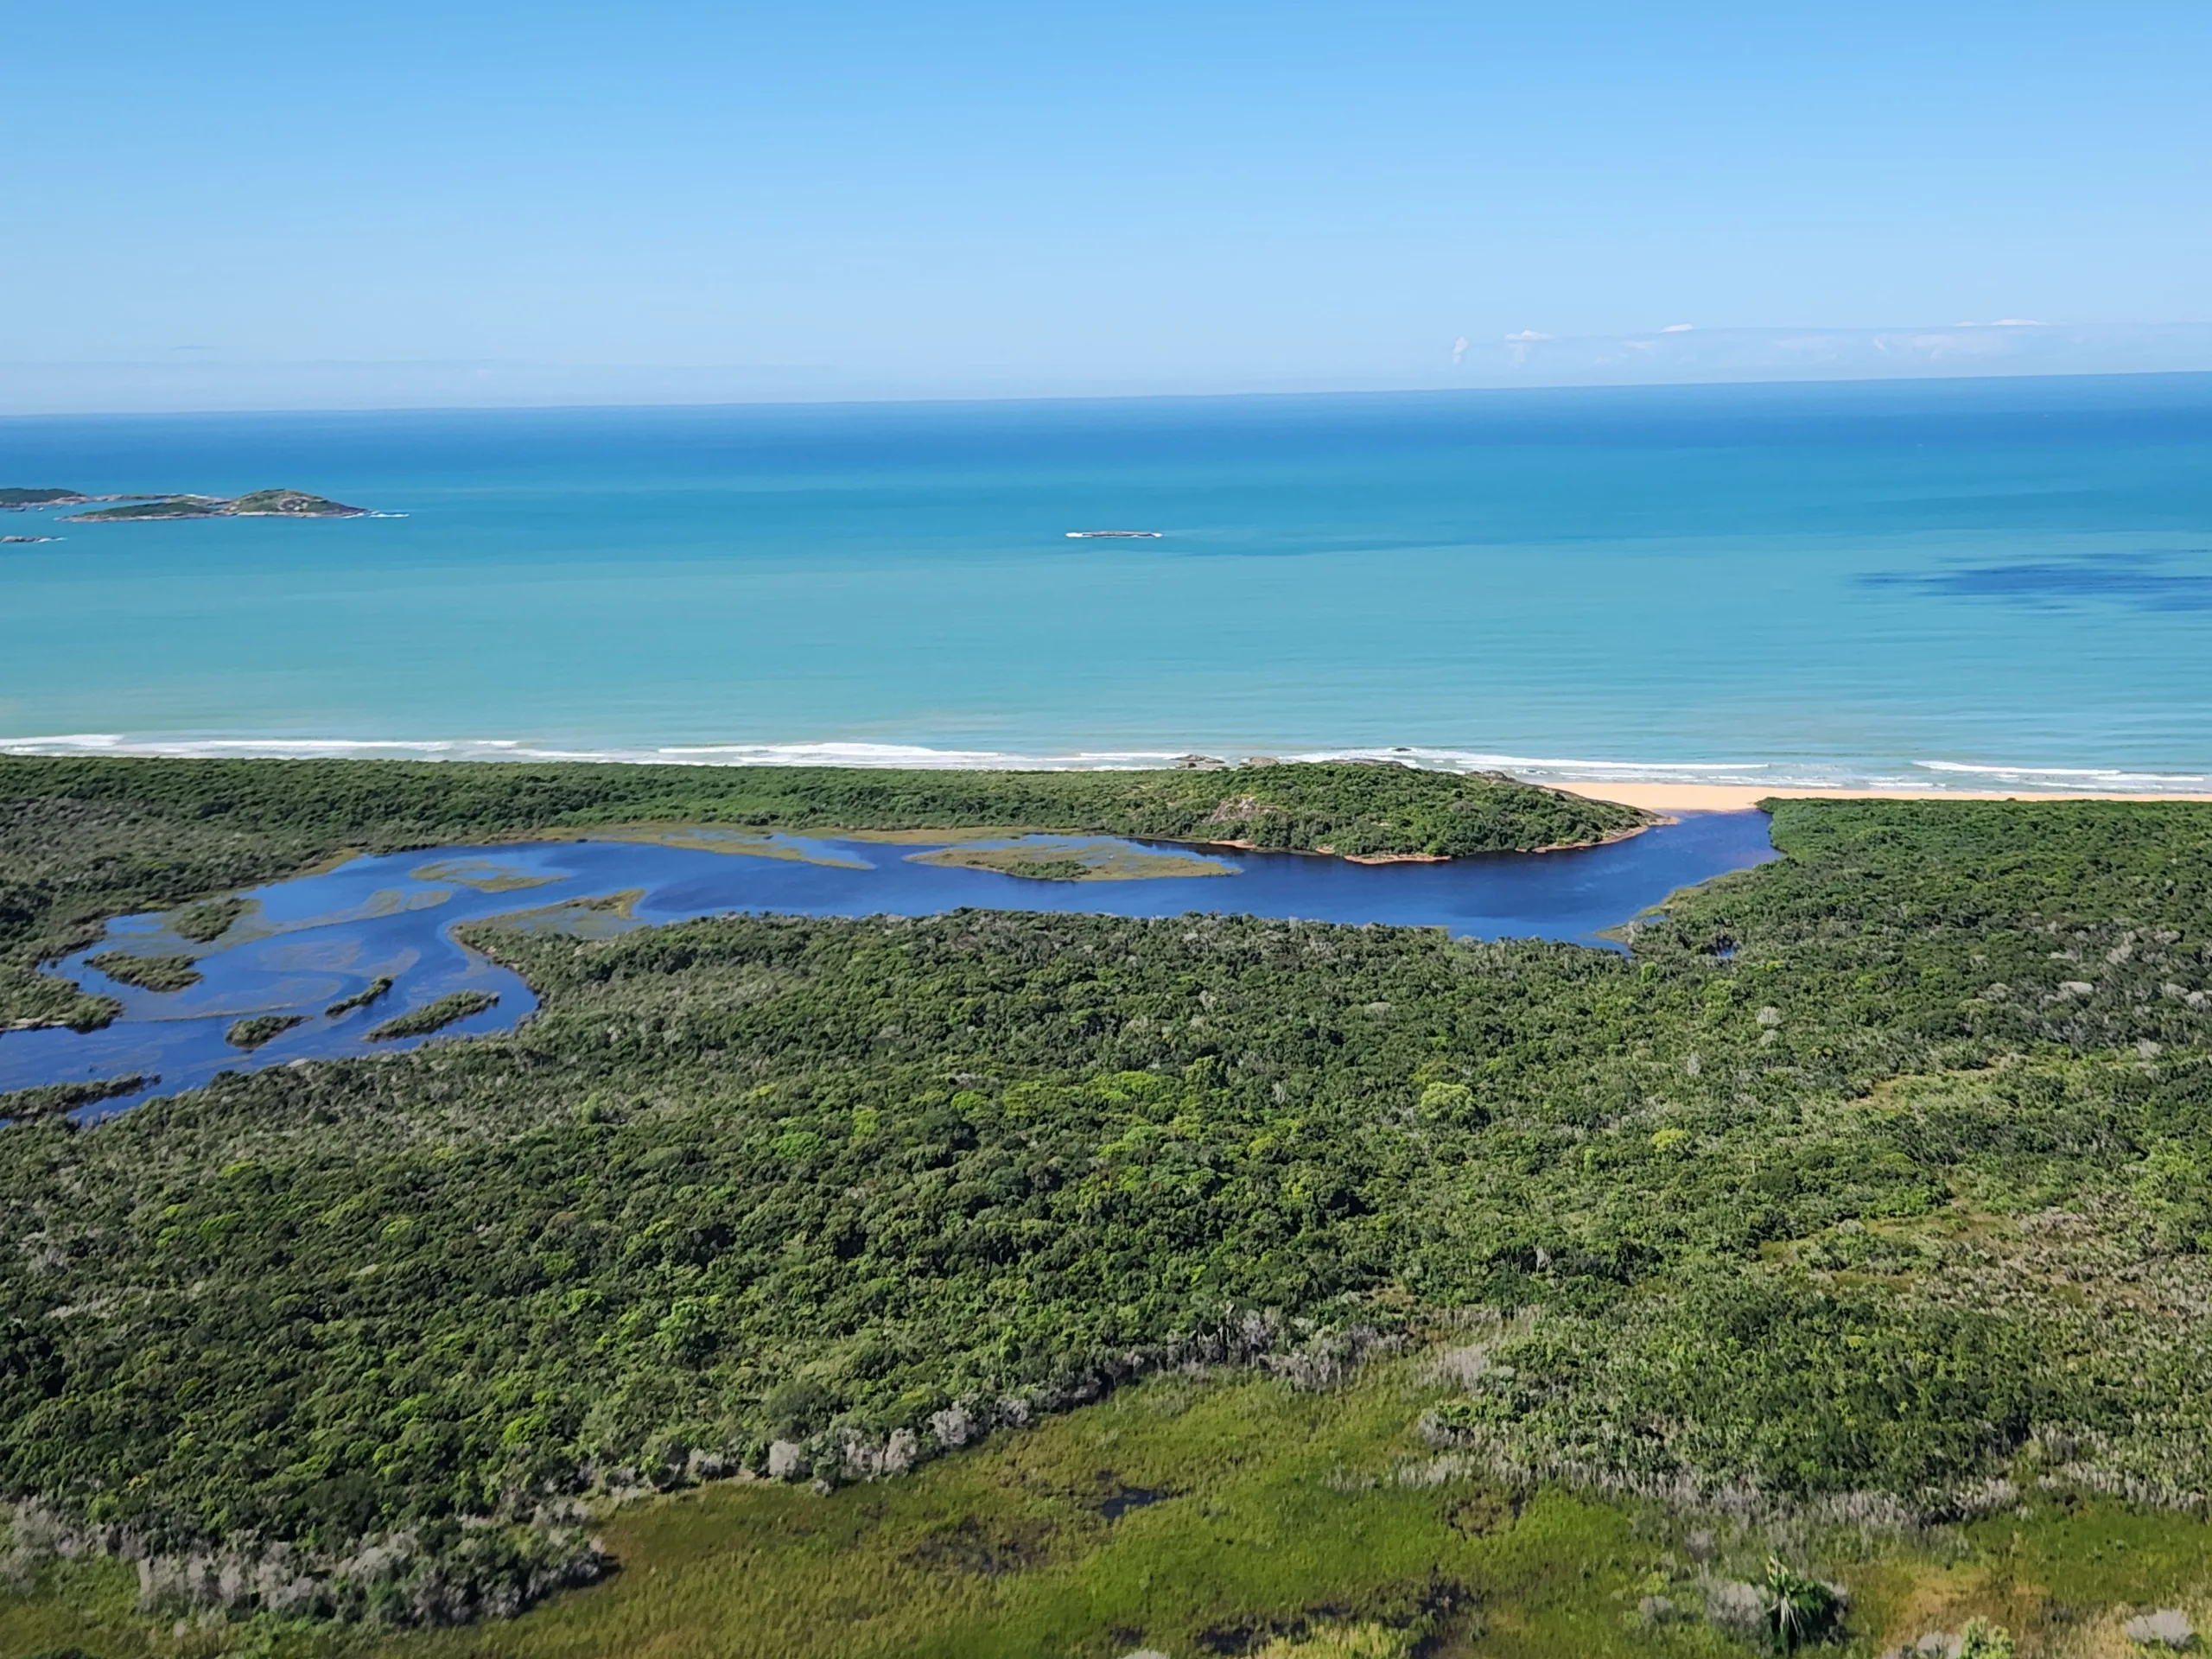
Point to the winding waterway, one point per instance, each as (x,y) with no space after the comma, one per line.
(305,944)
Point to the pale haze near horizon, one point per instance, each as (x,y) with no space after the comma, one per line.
(417,203)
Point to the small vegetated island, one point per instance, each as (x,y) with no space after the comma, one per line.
(257,1029)
(1832,1271)
(447,1010)
(257,504)
(14,499)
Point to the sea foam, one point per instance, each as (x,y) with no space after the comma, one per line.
(1932,776)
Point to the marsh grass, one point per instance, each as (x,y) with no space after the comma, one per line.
(449,1010)
(204,923)
(1057,859)
(361,999)
(717,838)
(147,973)
(1285,1532)
(486,875)
(257,1029)
(1289,1529)
(60,1099)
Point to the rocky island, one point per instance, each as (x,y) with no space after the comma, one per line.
(257,504)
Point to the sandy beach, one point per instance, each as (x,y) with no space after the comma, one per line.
(1733,797)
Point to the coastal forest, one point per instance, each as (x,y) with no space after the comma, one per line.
(1826,1269)
(81,840)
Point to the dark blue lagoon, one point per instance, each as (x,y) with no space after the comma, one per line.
(301,947)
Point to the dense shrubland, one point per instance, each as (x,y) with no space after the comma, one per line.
(1874,1185)
(81,840)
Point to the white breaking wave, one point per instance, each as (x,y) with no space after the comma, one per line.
(1676,772)
(2078,776)
(1932,776)
(829,752)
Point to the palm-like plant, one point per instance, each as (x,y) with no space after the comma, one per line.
(1799,1608)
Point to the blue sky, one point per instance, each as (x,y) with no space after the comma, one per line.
(956,196)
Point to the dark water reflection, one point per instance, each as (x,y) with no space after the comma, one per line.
(314,941)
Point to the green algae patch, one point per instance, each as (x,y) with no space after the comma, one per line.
(714,838)
(1042,858)
(606,916)
(385,901)
(486,875)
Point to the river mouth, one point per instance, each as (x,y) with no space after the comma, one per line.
(332,960)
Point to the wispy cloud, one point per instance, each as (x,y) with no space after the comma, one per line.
(1682,351)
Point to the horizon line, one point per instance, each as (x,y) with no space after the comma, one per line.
(831,400)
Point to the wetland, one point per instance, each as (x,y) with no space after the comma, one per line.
(816,1251)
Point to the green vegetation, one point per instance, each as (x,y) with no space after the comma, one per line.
(1030,869)
(1279,1523)
(13,497)
(1799,1608)
(258,1028)
(163,506)
(60,1099)
(1859,1225)
(204,923)
(256,503)
(434,1016)
(81,840)
(1061,861)
(360,999)
(147,973)
(484,875)
(291,503)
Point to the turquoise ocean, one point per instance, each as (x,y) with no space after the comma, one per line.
(1941,584)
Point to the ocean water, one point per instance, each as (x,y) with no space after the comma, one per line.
(306,944)
(1935,583)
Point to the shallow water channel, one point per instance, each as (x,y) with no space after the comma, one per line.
(304,945)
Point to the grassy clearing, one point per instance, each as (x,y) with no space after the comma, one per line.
(1264,1519)
(1253,1518)
(1291,1525)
